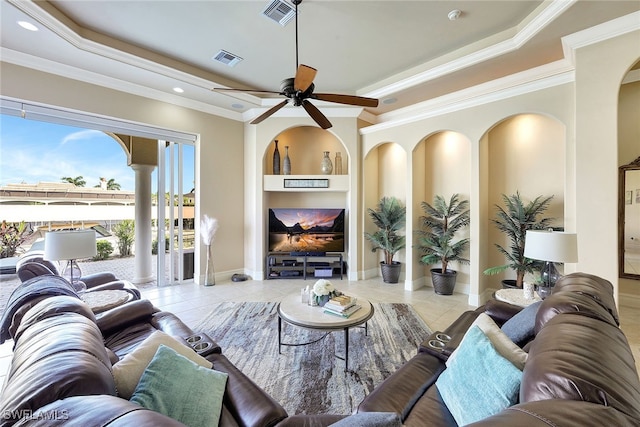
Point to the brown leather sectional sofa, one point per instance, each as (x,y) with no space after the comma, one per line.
(580,370)
(61,371)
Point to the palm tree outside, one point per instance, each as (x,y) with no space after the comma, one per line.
(78,181)
(111,184)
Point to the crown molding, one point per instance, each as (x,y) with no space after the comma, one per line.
(537,24)
(67,71)
(546,76)
(599,33)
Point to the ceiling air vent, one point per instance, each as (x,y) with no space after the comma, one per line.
(227,58)
(279,11)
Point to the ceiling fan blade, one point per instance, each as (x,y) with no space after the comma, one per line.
(225,89)
(316,115)
(269,112)
(346,99)
(304,77)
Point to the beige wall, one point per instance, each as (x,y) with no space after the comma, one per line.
(307,144)
(579,122)
(441,166)
(234,158)
(600,69)
(475,124)
(526,155)
(219,177)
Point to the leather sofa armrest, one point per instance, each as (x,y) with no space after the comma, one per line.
(558,412)
(501,311)
(119,317)
(246,402)
(95,279)
(455,332)
(121,285)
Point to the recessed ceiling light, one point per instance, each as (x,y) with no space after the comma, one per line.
(237,106)
(27,26)
(389,101)
(178,90)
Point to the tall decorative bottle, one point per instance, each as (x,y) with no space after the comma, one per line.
(287,161)
(338,163)
(276,159)
(326,165)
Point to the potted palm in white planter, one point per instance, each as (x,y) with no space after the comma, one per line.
(389,217)
(436,239)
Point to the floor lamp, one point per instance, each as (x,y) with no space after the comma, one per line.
(70,246)
(550,247)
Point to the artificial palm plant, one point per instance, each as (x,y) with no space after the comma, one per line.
(514,220)
(389,217)
(436,242)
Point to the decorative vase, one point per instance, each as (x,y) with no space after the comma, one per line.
(326,165)
(286,167)
(276,159)
(209,274)
(338,163)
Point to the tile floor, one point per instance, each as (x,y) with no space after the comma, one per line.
(192,302)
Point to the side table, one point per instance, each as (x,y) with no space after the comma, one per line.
(100,301)
(516,297)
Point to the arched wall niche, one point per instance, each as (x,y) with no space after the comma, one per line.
(441,165)
(628,151)
(524,153)
(385,171)
(306,147)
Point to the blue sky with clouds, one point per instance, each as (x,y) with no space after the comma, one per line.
(32,152)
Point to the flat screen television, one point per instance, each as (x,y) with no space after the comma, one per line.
(306,230)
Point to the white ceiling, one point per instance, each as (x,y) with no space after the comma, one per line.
(403,50)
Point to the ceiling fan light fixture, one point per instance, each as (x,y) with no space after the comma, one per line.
(279,11)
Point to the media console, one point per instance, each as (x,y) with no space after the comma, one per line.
(295,265)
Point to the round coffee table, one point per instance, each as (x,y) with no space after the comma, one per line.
(294,312)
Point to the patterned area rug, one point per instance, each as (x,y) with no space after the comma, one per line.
(310,379)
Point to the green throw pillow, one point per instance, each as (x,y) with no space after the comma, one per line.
(479,382)
(180,389)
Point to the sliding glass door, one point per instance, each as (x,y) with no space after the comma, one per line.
(175,226)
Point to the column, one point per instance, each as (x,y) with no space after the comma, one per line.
(143,271)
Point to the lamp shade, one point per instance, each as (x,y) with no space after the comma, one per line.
(68,245)
(554,246)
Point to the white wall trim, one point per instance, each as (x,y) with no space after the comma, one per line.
(607,30)
(67,71)
(546,76)
(539,22)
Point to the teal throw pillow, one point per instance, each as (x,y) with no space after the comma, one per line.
(479,382)
(180,389)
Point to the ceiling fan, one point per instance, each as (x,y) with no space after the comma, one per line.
(299,89)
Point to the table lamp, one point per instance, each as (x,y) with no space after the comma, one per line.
(551,247)
(70,245)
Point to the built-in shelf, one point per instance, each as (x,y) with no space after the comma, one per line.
(307,183)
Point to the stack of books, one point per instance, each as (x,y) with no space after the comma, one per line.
(342,305)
